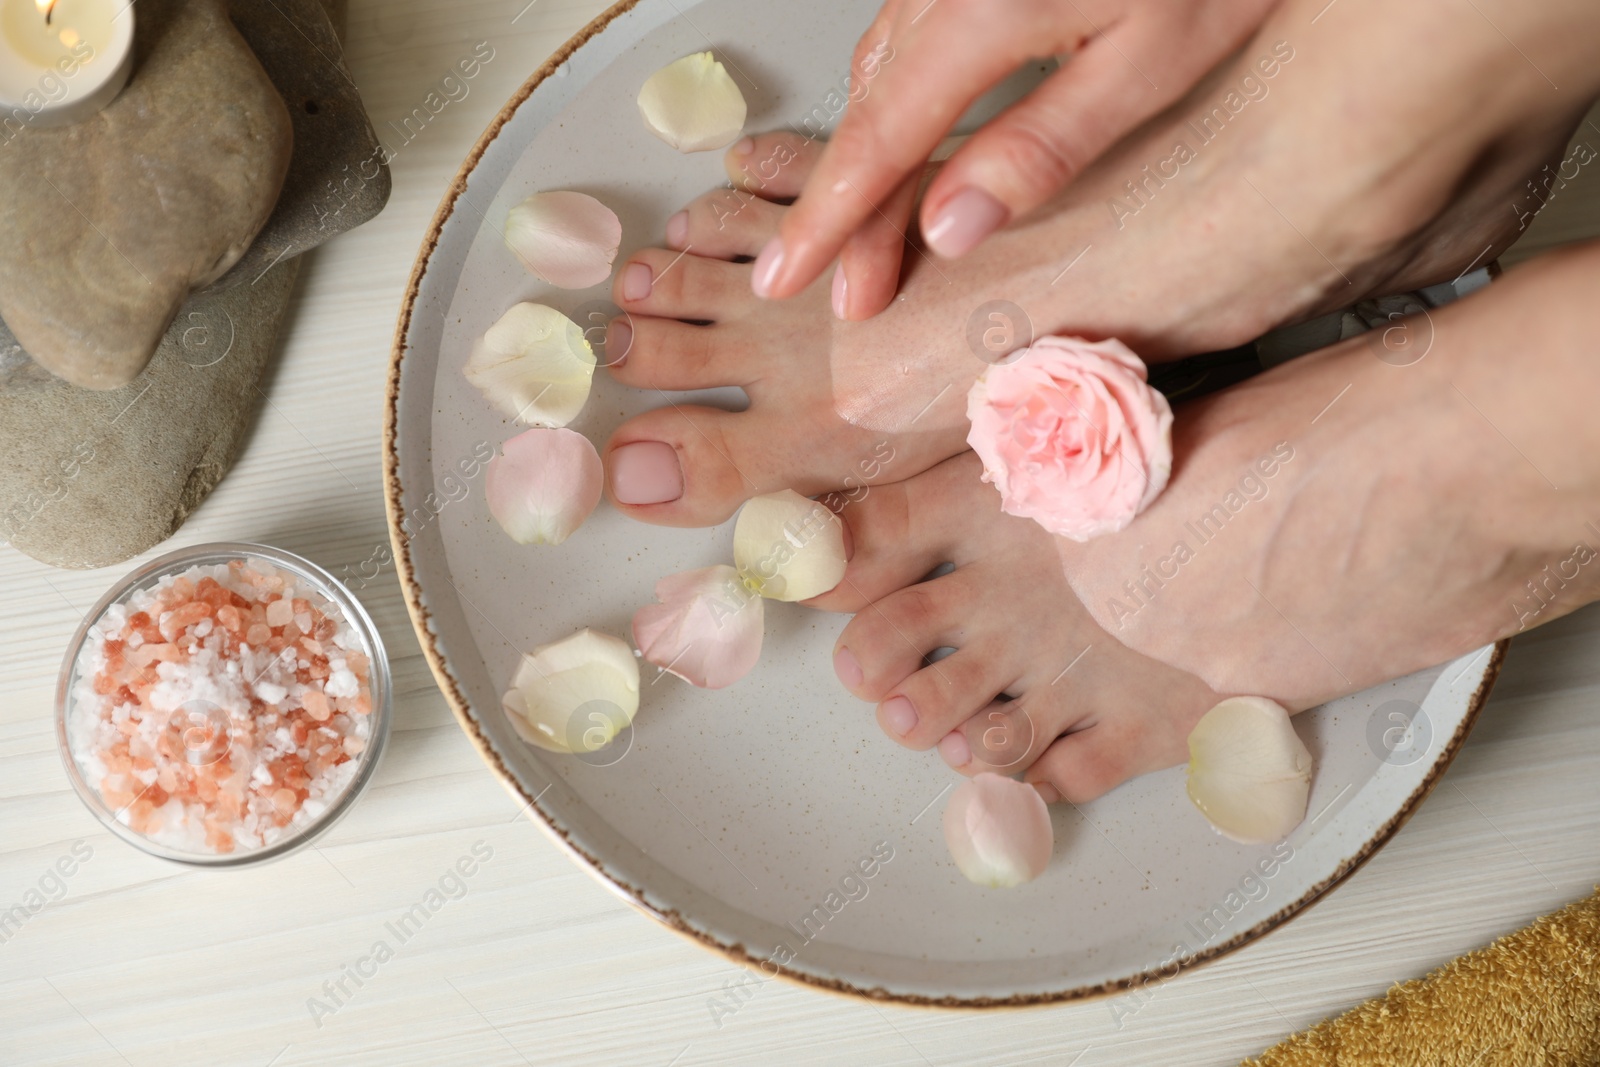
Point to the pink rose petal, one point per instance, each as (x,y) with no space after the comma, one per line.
(543,485)
(1072,435)
(568,239)
(706,629)
(998,831)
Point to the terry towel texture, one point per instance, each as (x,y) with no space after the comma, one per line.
(1530,999)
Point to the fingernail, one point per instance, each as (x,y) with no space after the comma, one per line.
(745,146)
(968,217)
(636,282)
(646,472)
(768,263)
(1047,792)
(899,715)
(841,291)
(619,339)
(678,231)
(955,750)
(848,670)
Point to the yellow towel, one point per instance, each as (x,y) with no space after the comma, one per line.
(1531,998)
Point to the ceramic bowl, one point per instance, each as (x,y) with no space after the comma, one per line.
(748,818)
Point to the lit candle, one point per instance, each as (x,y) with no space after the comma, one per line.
(61,60)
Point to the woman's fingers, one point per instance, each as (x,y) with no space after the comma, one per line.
(868,274)
(1035,148)
(905,96)
(922,64)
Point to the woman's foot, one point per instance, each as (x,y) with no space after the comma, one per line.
(1084,713)
(1348,518)
(1377,507)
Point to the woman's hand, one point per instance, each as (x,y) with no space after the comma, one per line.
(916,71)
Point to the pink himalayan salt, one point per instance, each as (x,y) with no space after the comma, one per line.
(202,713)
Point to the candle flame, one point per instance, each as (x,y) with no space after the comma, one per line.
(47,8)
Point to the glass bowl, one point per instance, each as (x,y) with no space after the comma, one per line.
(194,738)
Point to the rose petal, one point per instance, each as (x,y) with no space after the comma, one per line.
(576,694)
(568,239)
(693,104)
(1249,772)
(706,629)
(998,831)
(788,547)
(534,365)
(1072,435)
(543,485)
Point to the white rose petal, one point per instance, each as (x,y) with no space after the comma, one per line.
(1249,772)
(568,239)
(693,104)
(576,694)
(787,547)
(534,365)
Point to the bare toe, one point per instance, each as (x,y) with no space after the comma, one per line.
(889,550)
(724,224)
(889,640)
(1091,762)
(672,355)
(680,285)
(1007,736)
(674,467)
(773,165)
(885,655)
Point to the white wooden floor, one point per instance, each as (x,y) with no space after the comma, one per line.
(140,963)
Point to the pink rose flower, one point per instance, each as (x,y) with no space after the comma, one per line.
(1072,435)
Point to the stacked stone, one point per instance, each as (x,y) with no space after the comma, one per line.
(147,257)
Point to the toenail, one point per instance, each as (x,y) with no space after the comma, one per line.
(1047,792)
(745,146)
(767,266)
(848,670)
(636,282)
(619,339)
(678,231)
(967,218)
(646,472)
(899,714)
(841,292)
(955,750)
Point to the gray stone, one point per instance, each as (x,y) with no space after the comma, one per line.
(338,176)
(109,224)
(336,10)
(93,477)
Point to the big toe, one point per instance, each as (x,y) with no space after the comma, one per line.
(901,532)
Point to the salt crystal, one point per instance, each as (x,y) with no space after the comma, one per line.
(280,613)
(343,683)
